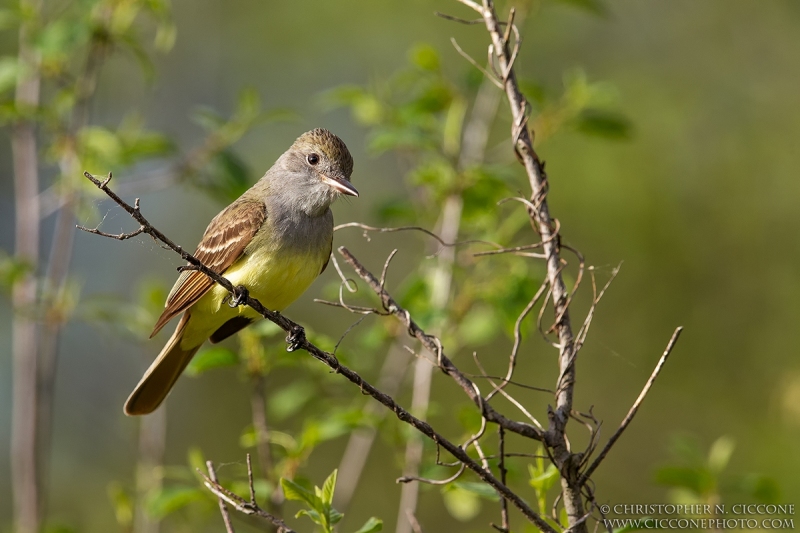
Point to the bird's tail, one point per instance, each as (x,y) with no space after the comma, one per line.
(162,374)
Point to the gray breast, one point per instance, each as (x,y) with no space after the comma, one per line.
(304,234)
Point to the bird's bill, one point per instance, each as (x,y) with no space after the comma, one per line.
(341,185)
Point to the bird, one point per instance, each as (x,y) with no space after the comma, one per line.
(271,243)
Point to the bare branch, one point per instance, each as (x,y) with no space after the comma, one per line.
(239,503)
(635,407)
(473,5)
(427,232)
(408,479)
(501,435)
(512,358)
(491,77)
(458,19)
(223,509)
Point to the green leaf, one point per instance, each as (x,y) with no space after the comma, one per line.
(12,270)
(328,487)
(196,460)
(602,123)
(248,104)
(720,454)
(425,57)
(214,357)
(9,70)
(463,505)
(290,399)
(122,503)
(543,480)
(479,325)
(101,146)
(481,489)
(170,499)
(762,488)
(227,176)
(371,526)
(313,515)
(165,37)
(295,492)
(697,479)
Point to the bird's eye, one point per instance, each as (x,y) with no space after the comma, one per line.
(312,159)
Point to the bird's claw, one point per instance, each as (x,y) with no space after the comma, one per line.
(240,296)
(295,338)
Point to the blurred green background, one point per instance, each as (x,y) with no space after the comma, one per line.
(699,203)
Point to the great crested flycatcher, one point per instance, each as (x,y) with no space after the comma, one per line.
(274,240)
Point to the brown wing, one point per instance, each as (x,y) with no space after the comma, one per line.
(222,244)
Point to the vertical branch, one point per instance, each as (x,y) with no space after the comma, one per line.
(355,455)
(152,442)
(501,436)
(567,462)
(24,438)
(442,278)
(60,256)
(258,403)
(473,149)
(223,509)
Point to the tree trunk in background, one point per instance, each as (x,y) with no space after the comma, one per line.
(473,150)
(24,465)
(442,278)
(149,472)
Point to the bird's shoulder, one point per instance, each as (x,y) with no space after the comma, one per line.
(229,233)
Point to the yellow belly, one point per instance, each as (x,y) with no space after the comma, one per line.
(274,279)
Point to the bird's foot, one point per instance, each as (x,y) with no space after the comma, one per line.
(240,296)
(295,338)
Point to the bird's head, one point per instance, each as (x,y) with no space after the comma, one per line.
(316,170)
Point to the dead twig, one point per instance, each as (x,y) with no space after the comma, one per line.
(239,503)
(635,407)
(223,509)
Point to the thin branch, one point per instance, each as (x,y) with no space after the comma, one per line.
(412,519)
(491,77)
(634,408)
(510,382)
(511,250)
(239,503)
(408,479)
(506,395)
(596,297)
(458,19)
(512,358)
(223,509)
(501,435)
(427,232)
